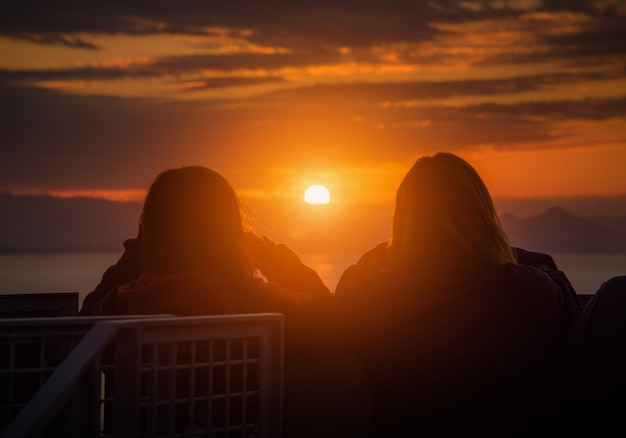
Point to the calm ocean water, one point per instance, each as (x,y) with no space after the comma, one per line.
(80,272)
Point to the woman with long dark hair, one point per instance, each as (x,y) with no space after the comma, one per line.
(194,256)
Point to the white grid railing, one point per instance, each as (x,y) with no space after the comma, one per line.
(218,376)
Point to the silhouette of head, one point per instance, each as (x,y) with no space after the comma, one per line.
(445,217)
(192,220)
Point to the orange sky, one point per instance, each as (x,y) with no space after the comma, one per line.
(96,102)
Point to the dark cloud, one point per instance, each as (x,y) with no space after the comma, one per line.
(597,42)
(525,125)
(312,30)
(230,82)
(167,66)
(79,73)
(191,63)
(304,23)
(59,140)
(50,136)
(590,7)
(587,109)
(354,91)
(58,39)
(591,44)
(379,92)
(51,139)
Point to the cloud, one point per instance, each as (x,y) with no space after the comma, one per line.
(248,85)
(57,39)
(426,90)
(592,7)
(229,82)
(306,23)
(56,140)
(588,109)
(310,24)
(144,68)
(267,67)
(303,35)
(589,43)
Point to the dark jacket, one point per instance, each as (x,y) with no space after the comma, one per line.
(598,364)
(285,286)
(452,355)
(318,376)
(283,281)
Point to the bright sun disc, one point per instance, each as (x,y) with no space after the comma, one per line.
(317,195)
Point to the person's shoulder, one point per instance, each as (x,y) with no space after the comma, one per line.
(610,295)
(524,275)
(377,255)
(359,281)
(373,260)
(534,258)
(533,284)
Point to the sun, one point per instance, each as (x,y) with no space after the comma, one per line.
(317,195)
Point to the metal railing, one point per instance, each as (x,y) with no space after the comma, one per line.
(152,376)
(31,349)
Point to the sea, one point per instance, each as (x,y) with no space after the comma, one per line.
(81,271)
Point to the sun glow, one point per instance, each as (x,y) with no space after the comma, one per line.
(317,195)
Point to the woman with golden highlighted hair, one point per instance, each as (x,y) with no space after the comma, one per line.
(459,333)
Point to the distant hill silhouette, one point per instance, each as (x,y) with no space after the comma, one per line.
(558,231)
(45,223)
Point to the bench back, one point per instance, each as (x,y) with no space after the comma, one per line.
(34,305)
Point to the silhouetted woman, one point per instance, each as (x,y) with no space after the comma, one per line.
(599,362)
(192,256)
(460,334)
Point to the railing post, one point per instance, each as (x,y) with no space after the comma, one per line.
(272,398)
(82,420)
(125,422)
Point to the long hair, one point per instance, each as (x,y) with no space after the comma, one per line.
(445,218)
(191,220)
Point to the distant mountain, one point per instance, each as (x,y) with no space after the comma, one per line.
(557,230)
(44,223)
(616,224)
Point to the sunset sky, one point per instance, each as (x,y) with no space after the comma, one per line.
(96,98)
